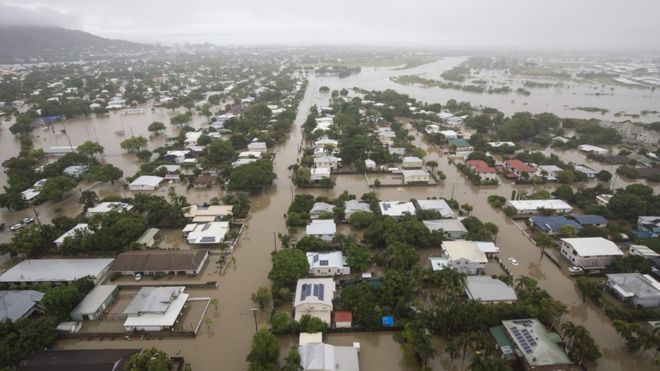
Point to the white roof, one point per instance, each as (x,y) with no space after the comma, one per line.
(463,249)
(396,208)
(327,291)
(590,148)
(320,207)
(438,263)
(326,357)
(487,247)
(325,171)
(106,207)
(257,145)
(71,232)
(55,270)
(643,251)
(208,233)
(193,136)
(325,159)
(333,259)
(321,227)
(355,205)
(414,172)
(448,133)
(193,211)
(593,246)
(640,285)
(306,338)
(325,141)
(166,318)
(147,180)
(440,206)
(412,159)
(249,154)
(550,168)
(29,194)
(499,144)
(93,301)
(485,288)
(177,153)
(551,204)
(243,161)
(585,169)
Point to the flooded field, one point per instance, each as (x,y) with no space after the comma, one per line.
(225,342)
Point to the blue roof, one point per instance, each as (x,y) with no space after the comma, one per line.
(590,219)
(388,321)
(553,223)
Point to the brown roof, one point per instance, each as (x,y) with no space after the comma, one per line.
(159,260)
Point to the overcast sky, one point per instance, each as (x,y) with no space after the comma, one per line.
(515,24)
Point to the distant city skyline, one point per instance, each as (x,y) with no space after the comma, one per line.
(511,24)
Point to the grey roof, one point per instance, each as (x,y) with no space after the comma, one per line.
(640,285)
(319,356)
(16,304)
(440,206)
(55,270)
(153,300)
(447,225)
(93,301)
(352,206)
(485,288)
(539,346)
(321,207)
(321,227)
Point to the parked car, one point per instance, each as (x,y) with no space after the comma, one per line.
(513,261)
(575,269)
(138,276)
(28,220)
(16,227)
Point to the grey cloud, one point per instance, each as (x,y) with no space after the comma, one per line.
(12,14)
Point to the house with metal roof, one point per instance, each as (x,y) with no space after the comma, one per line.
(595,220)
(155,308)
(528,207)
(460,147)
(553,224)
(464,256)
(320,208)
(327,264)
(650,225)
(415,176)
(639,289)
(161,262)
(489,290)
(396,208)
(324,229)
(106,207)
(208,233)
(95,302)
(314,298)
(539,348)
(78,228)
(148,238)
(326,357)
(207,213)
(412,162)
(145,183)
(353,206)
(440,206)
(451,228)
(16,305)
(56,271)
(589,252)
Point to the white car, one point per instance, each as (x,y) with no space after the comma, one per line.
(575,269)
(28,220)
(16,227)
(138,276)
(513,261)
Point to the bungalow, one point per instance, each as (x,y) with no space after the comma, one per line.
(588,172)
(145,183)
(483,170)
(589,252)
(396,209)
(489,290)
(396,151)
(370,164)
(205,181)
(415,176)
(528,207)
(161,262)
(314,298)
(250,154)
(178,156)
(595,220)
(550,172)
(56,271)
(592,149)
(449,134)
(319,173)
(331,162)
(147,239)
(29,194)
(320,208)
(550,225)
(603,199)
(432,128)
(317,356)
(95,302)
(649,225)
(451,228)
(329,263)
(518,168)
(326,142)
(60,151)
(540,349)
(208,233)
(16,305)
(106,207)
(192,137)
(258,147)
(411,162)
(75,171)
(501,144)
(155,308)
(243,161)
(464,256)
(439,206)
(454,121)
(324,229)
(640,289)
(77,229)
(353,206)
(207,213)
(460,147)
(172,172)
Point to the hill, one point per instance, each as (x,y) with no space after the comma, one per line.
(35,44)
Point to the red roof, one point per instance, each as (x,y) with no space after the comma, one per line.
(519,165)
(343,316)
(480,166)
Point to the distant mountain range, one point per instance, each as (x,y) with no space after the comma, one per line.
(36,44)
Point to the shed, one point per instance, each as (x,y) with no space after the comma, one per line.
(93,305)
(148,237)
(343,319)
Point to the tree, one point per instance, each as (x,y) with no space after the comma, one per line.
(289,265)
(417,343)
(150,359)
(60,300)
(361,219)
(281,323)
(627,206)
(133,144)
(311,324)
(252,177)
(206,111)
(432,165)
(90,149)
(88,199)
(219,152)
(264,352)
(156,127)
(32,241)
(590,288)
(261,297)
(604,176)
(105,173)
(181,119)
(581,346)
(292,361)
(55,188)
(358,257)
(566,176)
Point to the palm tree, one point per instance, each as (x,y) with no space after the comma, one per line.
(524,283)
(478,364)
(88,199)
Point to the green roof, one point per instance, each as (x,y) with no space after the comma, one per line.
(147,236)
(503,343)
(534,342)
(458,143)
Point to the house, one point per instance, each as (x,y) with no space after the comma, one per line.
(643,251)
(396,151)
(314,298)
(257,147)
(326,142)
(178,156)
(205,181)
(75,171)
(489,290)
(250,154)
(528,207)
(464,256)
(208,233)
(454,121)
(147,239)
(155,308)
(411,162)
(501,144)
(145,183)
(343,319)
(432,129)
(353,206)
(415,176)
(483,170)
(586,171)
(550,225)
(539,348)
(589,252)
(326,357)
(161,262)
(56,271)
(319,173)
(518,168)
(438,263)
(451,228)
(449,134)
(396,209)
(331,162)
(460,147)
(594,220)
(60,151)
(106,207)
(592,149)
(243,161)
(77,229)
(439,206)
(78,360)
(320,208)
(650,225)
(30,194)
(324,229)
(603,199)
(16,305)
(325,264)
(488,248)
(207,213)
(94,303)
(640,289)
(370,164)
(550,172)
(172,172)
(192,137)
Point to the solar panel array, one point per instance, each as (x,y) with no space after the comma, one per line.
(208,239)
(323,263)
(319,290)
(316,258)
(307,289)
(386,206)
(206,226)
(524,337)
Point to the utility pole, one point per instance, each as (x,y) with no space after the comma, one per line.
(452,190)
(275,241)
(36,215)
(254,314)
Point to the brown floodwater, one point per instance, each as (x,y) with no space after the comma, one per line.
(225,344)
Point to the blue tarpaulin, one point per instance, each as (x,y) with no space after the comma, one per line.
(388,321)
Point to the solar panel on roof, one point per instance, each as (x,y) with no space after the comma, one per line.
(323,263)
(208,239)
(206,226)
(321,291)
(316,258)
